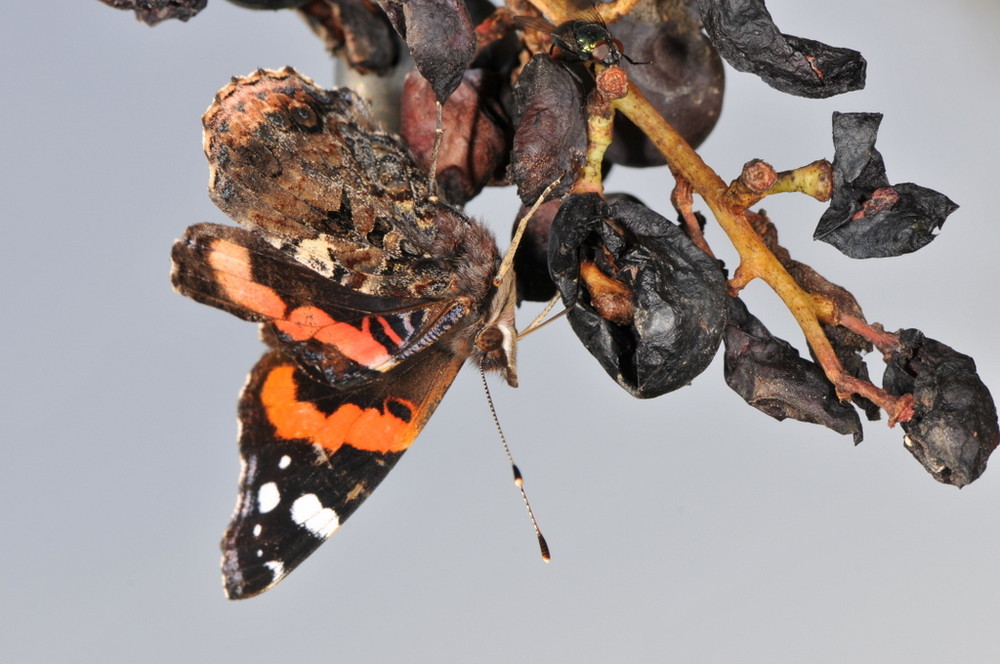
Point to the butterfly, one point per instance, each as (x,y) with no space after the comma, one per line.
(370,295)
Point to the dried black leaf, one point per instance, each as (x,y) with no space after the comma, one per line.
(770,375)
(439,34)
(355,31)
(154,11)
(868,217)
(644,300)
(746,36)
(550,138)
(954,428)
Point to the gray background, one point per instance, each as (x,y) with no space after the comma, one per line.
(689,528)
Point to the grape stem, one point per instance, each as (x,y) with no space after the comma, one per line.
(886,342)
(729,206)
(682,198)
(753,184)
(815,179)
(600,131)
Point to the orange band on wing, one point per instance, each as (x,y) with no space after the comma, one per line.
(231,263)
(359,345)
(389,332)
(369,429)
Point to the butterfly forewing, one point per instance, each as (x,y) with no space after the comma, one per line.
(312,454)
(337,332)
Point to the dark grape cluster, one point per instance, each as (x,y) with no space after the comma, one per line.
(548,95)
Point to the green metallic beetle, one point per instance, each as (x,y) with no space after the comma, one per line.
(580,40)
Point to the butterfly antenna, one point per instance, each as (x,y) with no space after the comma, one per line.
(522,224)
(436,152)
(518,479)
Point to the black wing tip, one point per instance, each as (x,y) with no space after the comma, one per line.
(242,581)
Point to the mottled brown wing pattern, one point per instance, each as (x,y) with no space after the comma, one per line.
(314,175)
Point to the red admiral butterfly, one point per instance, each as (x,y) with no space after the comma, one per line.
(370,294)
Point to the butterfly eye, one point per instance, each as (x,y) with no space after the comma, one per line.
(490,339)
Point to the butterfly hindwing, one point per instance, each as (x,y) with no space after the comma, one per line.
(312,454)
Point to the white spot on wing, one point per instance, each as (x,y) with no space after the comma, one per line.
(309,513)
(268,497)
(277,568)
(316,254)
(284,462)
(257,529)
(408,324)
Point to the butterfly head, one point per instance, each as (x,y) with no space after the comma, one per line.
(496,341)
